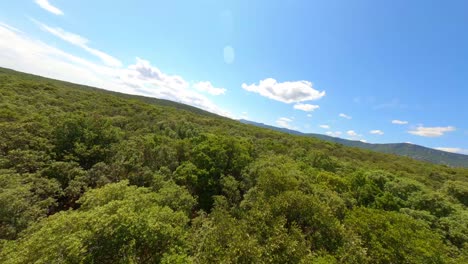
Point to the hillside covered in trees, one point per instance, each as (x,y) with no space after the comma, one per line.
(90,176)
(401,149)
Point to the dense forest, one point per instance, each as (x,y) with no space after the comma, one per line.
(402,149)
(91,176)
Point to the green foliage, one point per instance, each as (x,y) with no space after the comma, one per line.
(220,238)
(24,200)
(458,190)
(455,228)
(116,224)
(84,139)
(394,238)
(91,176)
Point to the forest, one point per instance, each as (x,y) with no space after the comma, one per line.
(92,176)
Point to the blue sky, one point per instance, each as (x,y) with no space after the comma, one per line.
(377,71)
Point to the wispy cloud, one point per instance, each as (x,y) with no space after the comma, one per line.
(334,133)
(324,126)
(345,116)
(431,131)
(22,53)
(209,88)
(81,42)
(44,4)
(376,132)
(284,122)
(150,80)
(286,92)
(454,150)
(10,27)
(306,107)
(399,122)
(352,133)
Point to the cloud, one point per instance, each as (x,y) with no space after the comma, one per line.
(284,122)
(81,42)
(209,88)
(21,53)
(334,134)
(309,115)
(431,131)
(363,141)
(399,122)
(345,116)
(10,27)
(143,72)
(377,132)
(325,126)
(454,150)
(151,81)
(352,133)
(44,4)
(286,92)
(306,107)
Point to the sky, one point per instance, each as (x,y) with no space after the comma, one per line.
(375,71)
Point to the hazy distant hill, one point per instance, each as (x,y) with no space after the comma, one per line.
(402,149)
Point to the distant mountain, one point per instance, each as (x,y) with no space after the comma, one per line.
(402,149)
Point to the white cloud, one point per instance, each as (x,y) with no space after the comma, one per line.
(363,141)
(81,42)
(306,107)
(21,53)
(334,134)
(10,27)
(284,122)
(352,133)
(344,116)
(431,131)
(49,7)
(309,115)
(377,132)
(209,88)
(151,81)
(454,150)
(143,72)
(325,126)
(286,92)
(399,122)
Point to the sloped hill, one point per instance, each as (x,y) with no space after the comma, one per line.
(401,149)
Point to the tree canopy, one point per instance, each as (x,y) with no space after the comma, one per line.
(91,176)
